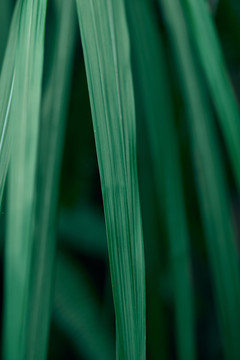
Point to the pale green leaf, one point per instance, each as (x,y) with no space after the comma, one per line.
(6,95)
(105,42)
(24,124)
(53,120)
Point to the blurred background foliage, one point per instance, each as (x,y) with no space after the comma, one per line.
(82,325)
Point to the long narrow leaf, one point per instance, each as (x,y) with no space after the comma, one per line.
(212,189)
(205,39)
(150,68)
(6,95)
(24,125)
(49,160)
(106,50)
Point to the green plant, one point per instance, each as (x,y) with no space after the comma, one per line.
(165,122)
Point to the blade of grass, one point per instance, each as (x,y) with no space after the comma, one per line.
(24,125)
(55,104)
(77,312)
(6,96)
(210,177)
(105,42)
(204,37)
(152,84)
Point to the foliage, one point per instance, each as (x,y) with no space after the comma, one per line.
(119,179)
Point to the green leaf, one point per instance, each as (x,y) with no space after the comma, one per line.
(77,312)
(210,177)
(105,42)
(24,124)
(205,40)
(51,136)
(152,84)
(7,81)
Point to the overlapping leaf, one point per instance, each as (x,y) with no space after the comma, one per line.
(55,105)
(206,43)
(6,95)
(212,188)
(152,85)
